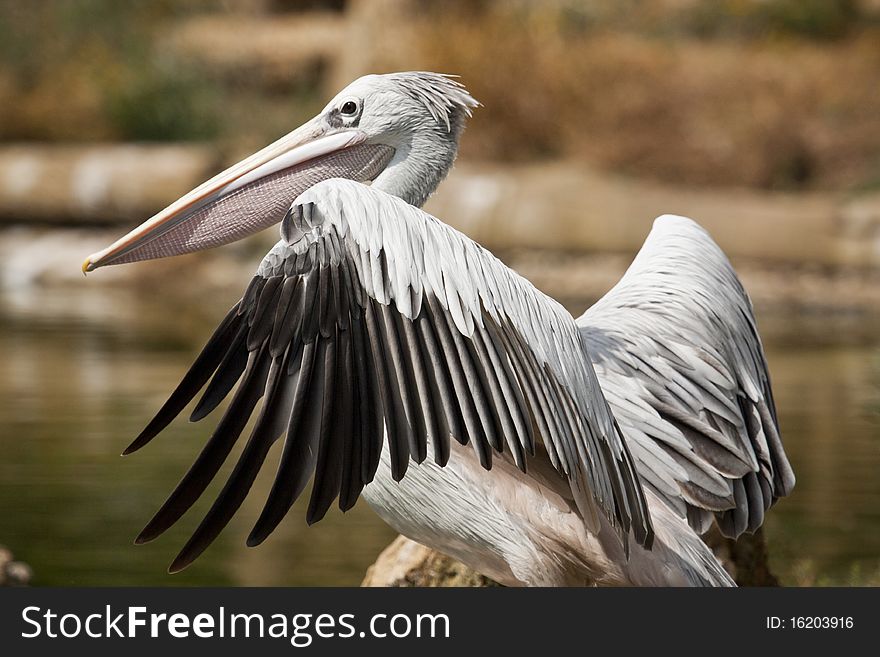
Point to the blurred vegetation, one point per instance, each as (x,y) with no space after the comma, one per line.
(161,103)
(87,70)
(704,92)
(776,94)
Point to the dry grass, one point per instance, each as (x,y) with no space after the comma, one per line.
(771,112)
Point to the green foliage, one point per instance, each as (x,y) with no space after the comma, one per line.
(163,103)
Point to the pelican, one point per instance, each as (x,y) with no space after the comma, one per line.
(400,360)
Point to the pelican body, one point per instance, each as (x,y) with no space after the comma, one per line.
(399,360)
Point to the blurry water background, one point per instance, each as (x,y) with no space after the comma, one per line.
(79,378)
(759,117)
(75,389)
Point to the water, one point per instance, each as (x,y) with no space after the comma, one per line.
(81,374)
(74,390)
(828,400)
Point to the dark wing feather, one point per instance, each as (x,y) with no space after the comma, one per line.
(347,343)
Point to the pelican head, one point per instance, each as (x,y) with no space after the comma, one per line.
(398,131)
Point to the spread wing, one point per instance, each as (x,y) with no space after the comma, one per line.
(373,321)
(679,359)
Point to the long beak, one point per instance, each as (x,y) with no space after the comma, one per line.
(248,196)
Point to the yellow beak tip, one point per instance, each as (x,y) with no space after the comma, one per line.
(87,266)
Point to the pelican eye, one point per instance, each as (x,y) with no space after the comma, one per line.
(349,108)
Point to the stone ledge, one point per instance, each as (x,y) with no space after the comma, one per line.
(562,206)
(97,184)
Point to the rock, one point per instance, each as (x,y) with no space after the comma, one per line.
(17,573)
(406,563)
(13,573)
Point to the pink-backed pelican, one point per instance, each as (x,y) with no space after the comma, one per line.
(400,360)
